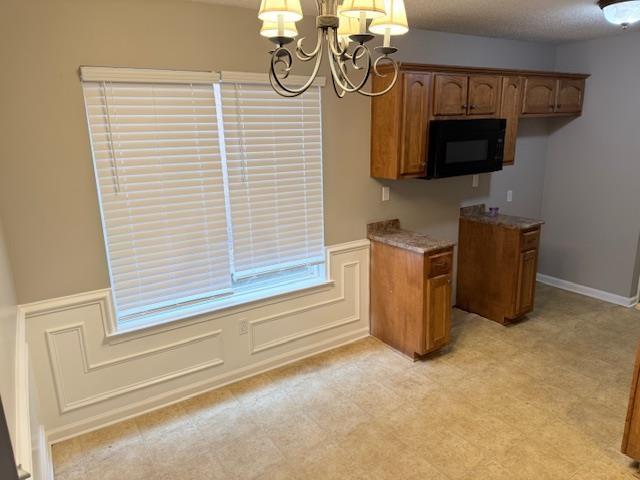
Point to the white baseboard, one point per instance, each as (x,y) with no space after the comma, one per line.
(588,291)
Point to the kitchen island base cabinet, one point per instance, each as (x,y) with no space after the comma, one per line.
(411,298)
(497,266)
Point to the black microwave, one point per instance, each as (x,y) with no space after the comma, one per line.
(465,147)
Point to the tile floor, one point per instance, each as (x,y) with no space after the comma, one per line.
(543,399)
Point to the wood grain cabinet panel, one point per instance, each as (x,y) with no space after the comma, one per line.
(525,293)
(410,305)
(631,438)
(438,314)
(570,95)
(496,276)
(484,94)
(510,110)
(450,95)
(399,126)
(539,96)
(415,113)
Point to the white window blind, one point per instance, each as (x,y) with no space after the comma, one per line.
(158,166)
(207,189)
(274,161)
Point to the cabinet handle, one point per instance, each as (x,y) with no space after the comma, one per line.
(465,106)
(472,106)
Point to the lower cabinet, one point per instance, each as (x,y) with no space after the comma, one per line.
(526,287)
(438,313)
(497,269)
(411,298)
(631,438)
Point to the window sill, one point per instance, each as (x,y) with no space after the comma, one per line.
(207,311)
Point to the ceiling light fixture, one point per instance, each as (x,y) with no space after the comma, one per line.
(621,12)
(342,32)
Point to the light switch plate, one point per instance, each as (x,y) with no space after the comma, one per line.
(385,194)
(509,195)
(476,181)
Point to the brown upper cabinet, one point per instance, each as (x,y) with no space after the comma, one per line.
(510,106)
(466,95)
(450,95)
(570,95)
(400,119)
(548,96)
(539,95)
(415,106)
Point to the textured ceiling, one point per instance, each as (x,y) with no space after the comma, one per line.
(541,20)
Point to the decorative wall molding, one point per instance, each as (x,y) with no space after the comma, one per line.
(253,324)
(88,377)
(58,375)
(22,452)
(588,291)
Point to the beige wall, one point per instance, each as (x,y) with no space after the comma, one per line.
(592,191)
(7,339)
(47,190)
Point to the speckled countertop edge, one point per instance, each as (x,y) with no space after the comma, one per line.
(390,233)
(478,213)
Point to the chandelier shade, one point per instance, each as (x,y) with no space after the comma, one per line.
(359,8)
(621,12)
(287,10)
(394,22)
(273,29)
(348,26)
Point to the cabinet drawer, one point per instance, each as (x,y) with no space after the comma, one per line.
(530,240)
(440,264)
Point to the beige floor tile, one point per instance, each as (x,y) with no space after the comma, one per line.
(248,457)
(449,453)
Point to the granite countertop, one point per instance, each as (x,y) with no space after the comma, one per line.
(478,213)
(390,233)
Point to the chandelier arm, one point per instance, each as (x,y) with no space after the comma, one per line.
(306,56)
(339,75)
(396,70)
(340,93)
(334,44)
(282,89)
(345,74)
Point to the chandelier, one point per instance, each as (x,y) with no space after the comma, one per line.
(343,34)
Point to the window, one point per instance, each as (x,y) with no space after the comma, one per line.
(210,191)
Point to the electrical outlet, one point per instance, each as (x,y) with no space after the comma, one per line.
(244,327)
(476,181)
(509,195)
(385,194)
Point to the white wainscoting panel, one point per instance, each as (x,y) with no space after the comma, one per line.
(87,377)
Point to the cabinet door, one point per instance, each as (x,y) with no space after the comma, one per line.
(438,314)
(570,95)
(510,110)
(484,94)
(450,95)
(631,438)
(415,121)
(539,96)
(527,270)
